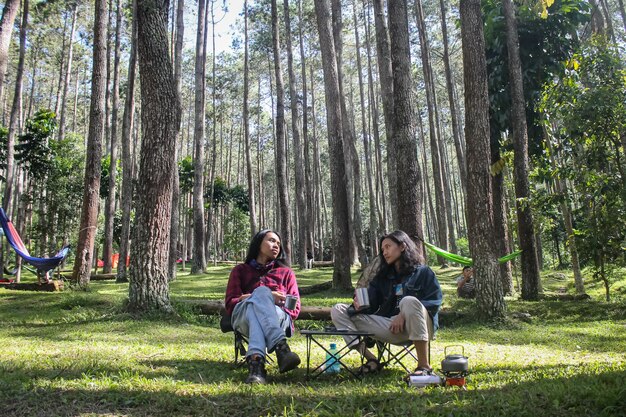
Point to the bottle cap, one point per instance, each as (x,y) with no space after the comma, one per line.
(333,346)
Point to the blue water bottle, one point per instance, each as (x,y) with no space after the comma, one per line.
(331,365)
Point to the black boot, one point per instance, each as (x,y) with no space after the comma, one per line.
(287,360)
(256,369)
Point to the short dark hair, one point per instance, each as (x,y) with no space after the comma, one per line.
(255,247)
(467,267)
(410,257)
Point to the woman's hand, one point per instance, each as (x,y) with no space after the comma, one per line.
(244,297)
(279,297)
(397,324)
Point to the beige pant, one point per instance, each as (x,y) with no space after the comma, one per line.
(418,326)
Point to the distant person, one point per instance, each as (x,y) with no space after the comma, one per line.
(466,284)
(255,297)
(404,297)
(309,260)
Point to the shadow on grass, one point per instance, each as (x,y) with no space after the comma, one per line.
(580,395)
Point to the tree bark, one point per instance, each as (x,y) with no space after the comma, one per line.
(530,267)
(435,151)
(246,125)
(409,196)
(9,12)
(489,298)
(298,159)
(199,258)
(93,167)
(127,159)
(178,63)
(68,72)
(454,111)
(281,157)
(109,213)
(160,121)
(341,231)
(622,12)
(383,49)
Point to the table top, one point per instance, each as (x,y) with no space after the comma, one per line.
(335,333)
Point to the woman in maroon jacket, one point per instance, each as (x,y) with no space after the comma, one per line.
(255,298)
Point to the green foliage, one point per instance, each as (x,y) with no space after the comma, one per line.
(586,113)
(106,174)
(236,233)
(544,43)
(185,174)
(222,194)
(33,149)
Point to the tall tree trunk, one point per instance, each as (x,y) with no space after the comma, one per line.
(281,157)
(68,72)
(310,217)
(383,49)
(160,121)
(435,151)
(109,213)
(622,12)
(93,167)
(127,159)
(178,63)
(199,258)
(212,210)
(373,227)
(246,125)
(341,230)
(490,299)
(531,283)
(15,111)
(454,111)
(501,236)
(9,12)
(408,170)
(297,146)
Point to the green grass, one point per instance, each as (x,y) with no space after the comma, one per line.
(78,354)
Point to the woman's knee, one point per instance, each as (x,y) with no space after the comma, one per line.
(338,310)
(410,304)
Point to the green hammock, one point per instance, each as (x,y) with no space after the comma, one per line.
(464,260)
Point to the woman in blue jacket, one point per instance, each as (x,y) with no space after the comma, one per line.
(404,296)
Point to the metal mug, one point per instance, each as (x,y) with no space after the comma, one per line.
(362,298)
(290,302)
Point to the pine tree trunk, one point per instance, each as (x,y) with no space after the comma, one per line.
(178,63)
(341,230)
(68,72)
(501,237)
(530,268)
(489,298)
(409,177)
(9,12)
(127,159)
(15,112)
(310,217)
(622,12)
(160,121)
(383,49)
(457,132)
(435,151)
(246,126)
(297,147)
(281,157)
(93,167)
(199,259)
(109,213)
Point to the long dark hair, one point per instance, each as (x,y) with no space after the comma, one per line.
(255,247)
(410,257)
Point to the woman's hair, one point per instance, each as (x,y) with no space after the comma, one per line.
(409,258)
(255,247)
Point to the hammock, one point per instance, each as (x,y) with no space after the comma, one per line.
(43,265)
(464,260)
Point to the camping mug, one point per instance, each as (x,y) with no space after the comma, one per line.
(362,298)
(290,302)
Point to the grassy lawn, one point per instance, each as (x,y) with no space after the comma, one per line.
(78,354)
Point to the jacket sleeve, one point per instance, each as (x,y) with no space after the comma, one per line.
(429,291)
(233,289)
(375,295)
(291,288)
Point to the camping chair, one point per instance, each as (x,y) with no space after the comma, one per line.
(389,354)
(240,342)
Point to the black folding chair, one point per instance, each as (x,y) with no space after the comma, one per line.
(240,341)
(389,354)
